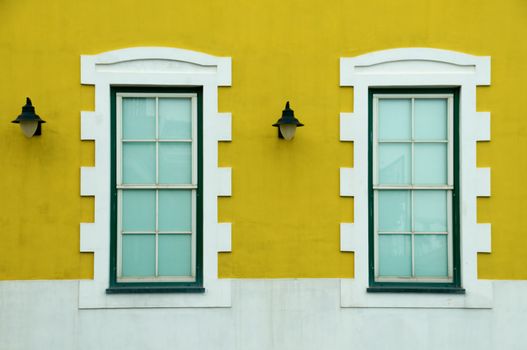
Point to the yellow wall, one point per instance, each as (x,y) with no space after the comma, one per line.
(285,207)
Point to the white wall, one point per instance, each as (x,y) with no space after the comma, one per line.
(265,314)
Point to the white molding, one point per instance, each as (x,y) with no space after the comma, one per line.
(224,237)
(224,125)
(155,66)
(88,125)
(347,182)
(346,237)
(483,121)
(223,177)
(483,182)
(347,127)
(418,67)
(88,243)
(88,181)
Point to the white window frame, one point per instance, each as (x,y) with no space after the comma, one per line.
(416,67)
(155,67)
(120,186)
(448,188)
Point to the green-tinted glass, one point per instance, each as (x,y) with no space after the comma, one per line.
(139,163)
(431,257)
(138,210)
(175,163)
(395,255)
(139,255)
(431,119)
(395,164)
(430,164)
(394,211)
(395,119)
(175,210)
(175,118)
(175,253)
(430,211)
(139,118)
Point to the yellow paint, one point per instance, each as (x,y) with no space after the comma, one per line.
(285,207)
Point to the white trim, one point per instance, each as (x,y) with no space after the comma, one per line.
(154,66)
(417,67)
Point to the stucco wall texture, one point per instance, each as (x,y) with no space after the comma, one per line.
(285,207)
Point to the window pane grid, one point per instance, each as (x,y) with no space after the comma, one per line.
(155,186)
(412,188)
(156,233)
(413,232)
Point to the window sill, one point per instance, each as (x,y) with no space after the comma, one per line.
(153,289)
(413,289)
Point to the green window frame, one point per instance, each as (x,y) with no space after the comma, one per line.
(414,236)
(156,190)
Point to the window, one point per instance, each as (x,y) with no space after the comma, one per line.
(394,263)
(413,192)
(155,71)
(156,200)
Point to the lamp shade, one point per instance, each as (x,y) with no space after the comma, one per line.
(29,121)
(287,124)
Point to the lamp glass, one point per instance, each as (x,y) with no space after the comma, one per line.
(29,127)
(288,131)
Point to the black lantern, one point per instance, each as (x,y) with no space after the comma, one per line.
(287,124)
(28,120)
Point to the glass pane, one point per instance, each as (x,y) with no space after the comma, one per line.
(430,211)
(139,118)
(395,119)
(175,210)
(139,210)
(139,255)
(175,118)
(139,163)
(175,163)
(395,255)
(175,253)
(431,119)
(430,164)
(395,163)
(431,257)
(394,211)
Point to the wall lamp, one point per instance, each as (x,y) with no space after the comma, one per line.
(28,120)
(287,124)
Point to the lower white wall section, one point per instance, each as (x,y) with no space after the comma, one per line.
(265,314)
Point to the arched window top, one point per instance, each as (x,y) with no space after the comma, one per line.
(422,62)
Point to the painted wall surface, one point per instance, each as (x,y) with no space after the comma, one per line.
(266,314)
(285,205)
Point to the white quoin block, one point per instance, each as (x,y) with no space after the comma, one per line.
(224,182)
(224,237)
(88,237)
(88,181)
(224,126)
